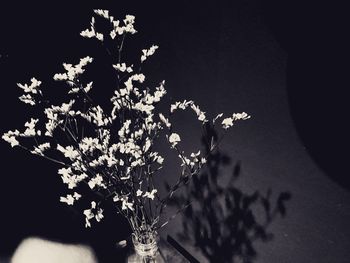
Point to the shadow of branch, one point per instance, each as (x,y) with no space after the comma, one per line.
(224,222)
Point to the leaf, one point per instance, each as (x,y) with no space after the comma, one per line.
(285,196)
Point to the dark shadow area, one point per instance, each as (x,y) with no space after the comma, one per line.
(37,212)
(66,226)
(314,38)
(223,222)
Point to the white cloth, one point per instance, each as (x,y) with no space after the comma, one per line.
(37,250)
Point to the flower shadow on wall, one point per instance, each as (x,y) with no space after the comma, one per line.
(223,221)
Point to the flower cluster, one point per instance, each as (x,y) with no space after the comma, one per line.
(30,91)
(185,104)
(73,72)
(111,151)
(228,122)
(30,131)
(119,28)
(93,212)
(148,52)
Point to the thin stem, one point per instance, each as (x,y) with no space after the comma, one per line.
(45,156)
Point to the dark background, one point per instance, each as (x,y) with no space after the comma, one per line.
(281,62)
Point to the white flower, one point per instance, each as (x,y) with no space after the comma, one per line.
(27,99)
(88,33)
(76,196)
(31,124)
(12,140)
(160,159)
(139,192)
(129,28)
(129,19)
(148,52)
(99,215)
(217,117)
(97,180)
(164,120)
(112,34)
(194,155)
(174,139)
(69,199)
(147,145)
(160,92)
(227,123)
(138,77)
(73,71)
(87,222)
(89,214)
(185,161)
(111,160)
(202,117)
(10,137)
(64,109)
(30,131)
(116,198)
(137,134)
(120,30)
(73,91)
(180,105)
(99,36)
(103,13)
(60,76)
(124,130)
(50,114)
(175,106)
(240,116)
(150,194)
(69,152)
(84,61)
(69,178)
(144,108)
(200,114)
(135,163)
(124,92)
(115,23)
(40,149)
(127,205)
(88,87)
(122,67)
(96,116)
(88,144)
(32,88)
(50,126)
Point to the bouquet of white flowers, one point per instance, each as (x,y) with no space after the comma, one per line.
(111,152)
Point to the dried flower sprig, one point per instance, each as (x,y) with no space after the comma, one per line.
(116,158)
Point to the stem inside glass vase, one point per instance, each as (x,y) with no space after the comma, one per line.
(145,245)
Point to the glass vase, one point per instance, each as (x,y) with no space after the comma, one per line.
(145,248)
(149,247)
